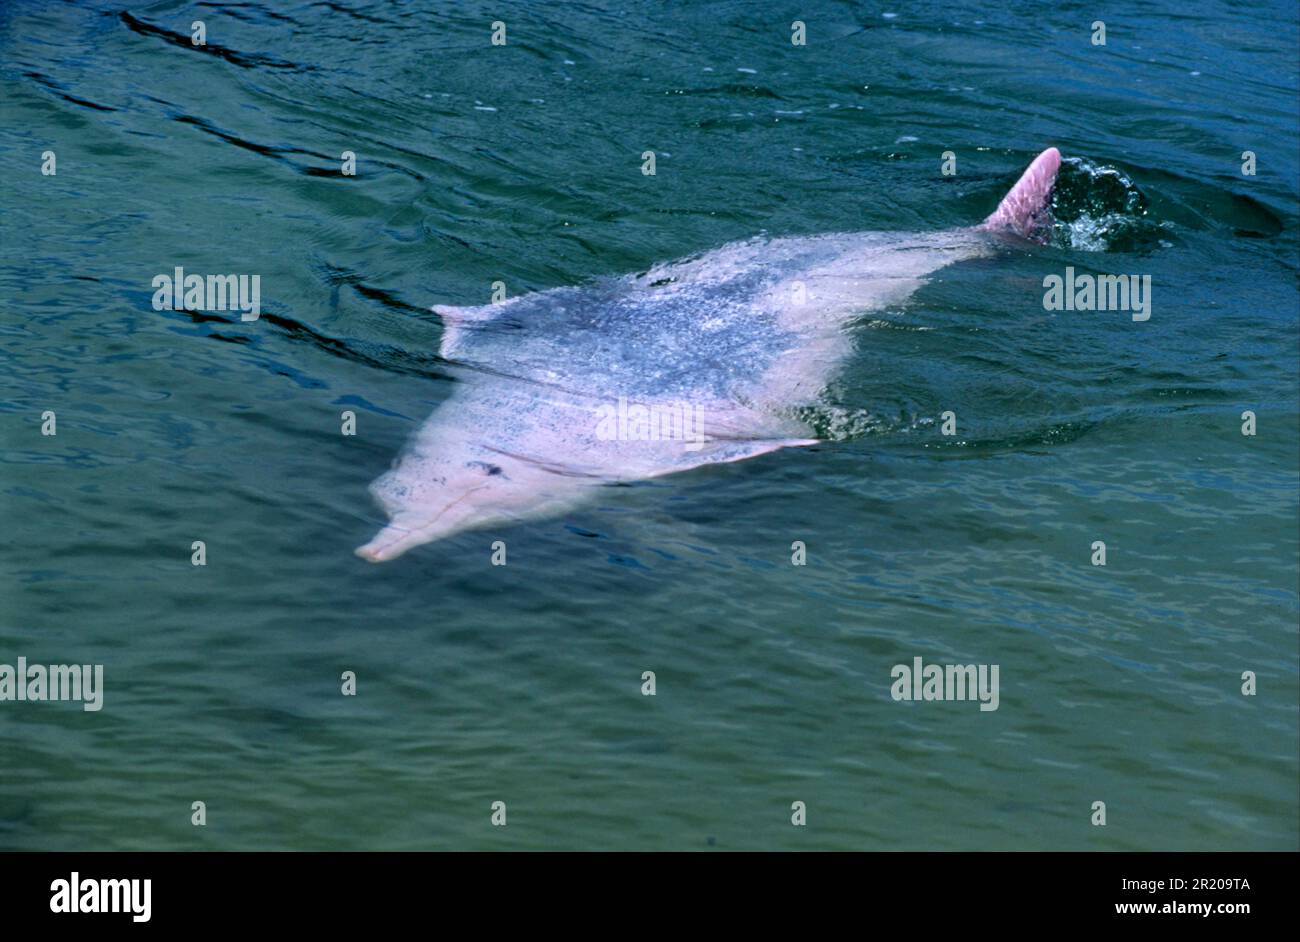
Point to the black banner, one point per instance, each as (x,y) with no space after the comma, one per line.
(332,891)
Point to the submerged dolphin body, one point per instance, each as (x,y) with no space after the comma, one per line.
(691,363)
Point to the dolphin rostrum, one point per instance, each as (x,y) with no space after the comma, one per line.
(691,363)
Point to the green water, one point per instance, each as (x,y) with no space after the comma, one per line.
(522,683)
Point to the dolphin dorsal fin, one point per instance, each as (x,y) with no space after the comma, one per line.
(1026,209)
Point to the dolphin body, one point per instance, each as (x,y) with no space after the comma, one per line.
(694,362)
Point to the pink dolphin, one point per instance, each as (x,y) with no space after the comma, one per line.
(695,362)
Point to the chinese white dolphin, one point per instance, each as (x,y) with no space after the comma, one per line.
(691,363)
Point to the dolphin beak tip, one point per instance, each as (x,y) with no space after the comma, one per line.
(371,553)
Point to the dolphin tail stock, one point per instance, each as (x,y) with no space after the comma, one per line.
(1026,210)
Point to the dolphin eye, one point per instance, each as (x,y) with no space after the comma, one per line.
(488,469)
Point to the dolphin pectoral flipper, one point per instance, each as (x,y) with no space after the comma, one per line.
(727,435)
(727,452)
(1026,209)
